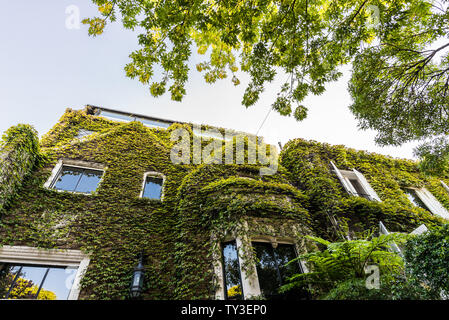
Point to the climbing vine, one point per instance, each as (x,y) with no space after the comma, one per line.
(203,205)
(19,152)
(309,165)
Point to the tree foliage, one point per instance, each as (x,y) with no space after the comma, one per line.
(340,262)
(400,62)
(427,258)
(338,271)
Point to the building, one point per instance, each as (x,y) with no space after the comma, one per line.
(101,192)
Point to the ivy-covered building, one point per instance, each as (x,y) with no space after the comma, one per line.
(100,199)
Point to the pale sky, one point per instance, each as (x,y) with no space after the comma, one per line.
(46,68)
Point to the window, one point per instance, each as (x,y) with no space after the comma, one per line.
(153,186)
(50,274)
(415,199)
(355,183)
(154,123)
(273,271)
(231,271)
(35,282)
(238,279)
(119,116)
(83,133)
(422,198)
(116,116)
(75,176)
(75,179)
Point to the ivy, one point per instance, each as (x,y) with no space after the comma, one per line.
(203,204)
(308,162)
(19,152)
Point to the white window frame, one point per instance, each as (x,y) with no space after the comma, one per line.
(432,204)
(250,280)
(393,245)
(345,175)
(49,184)
(156,175)
(49,257)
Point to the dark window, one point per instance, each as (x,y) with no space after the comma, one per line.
(414,199)
(272,271)
(359,189)
(231,271)
(35,282)
(75,179)
(152,188)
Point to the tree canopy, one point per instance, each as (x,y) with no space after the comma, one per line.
(398,50)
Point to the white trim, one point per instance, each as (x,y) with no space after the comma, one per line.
(250,280)
(420,230)
(49,184)
(218,271)
(393,245)
(156,175)
(344,181)
(366,186)
(433,205)
(50,257)
(54,173)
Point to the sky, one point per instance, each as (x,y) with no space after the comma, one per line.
(46,67)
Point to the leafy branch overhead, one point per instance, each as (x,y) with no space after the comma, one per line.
(398,49)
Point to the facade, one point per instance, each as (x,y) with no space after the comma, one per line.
(101,191)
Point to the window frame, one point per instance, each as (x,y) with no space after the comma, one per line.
(57,169)
(23,255)
(430,201)
(345,177)
(154,174)
(250,280)
(114,115)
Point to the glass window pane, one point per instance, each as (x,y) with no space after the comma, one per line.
(231,269)
(58,284)
(358,187)
(68,178)
(28,282)
(154,123)
(116,116)
(273,272)
(89,181)
(285,253)
(267,270)
(153,188)
(7,276)
(414,199)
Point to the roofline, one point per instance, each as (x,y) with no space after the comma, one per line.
(130,114)
(90,106)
